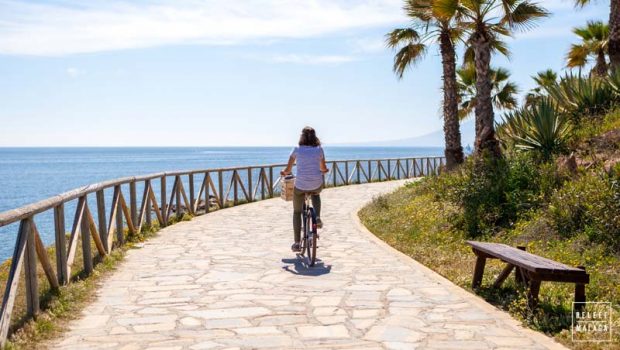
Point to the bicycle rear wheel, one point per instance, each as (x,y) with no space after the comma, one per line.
(304,234)
(311,237)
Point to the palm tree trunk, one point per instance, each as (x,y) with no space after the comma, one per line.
(614,34)
(485,127)
(451,127)
(600,69)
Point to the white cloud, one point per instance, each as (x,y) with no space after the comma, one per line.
(73,72)
(311,59)
(369,45)
(72,26)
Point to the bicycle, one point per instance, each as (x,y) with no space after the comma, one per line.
(310,233)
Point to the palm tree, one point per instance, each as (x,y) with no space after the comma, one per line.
(543,80)
(595,39)
(545,77)
(427,27)
(614,30)
(488,21)
(504,92)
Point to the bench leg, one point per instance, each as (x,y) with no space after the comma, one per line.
(580,296)
(503,275)
(520,276)
(478,271)
(532,295)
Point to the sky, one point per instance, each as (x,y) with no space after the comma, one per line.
(230,73)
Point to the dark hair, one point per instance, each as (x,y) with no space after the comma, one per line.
(308,137)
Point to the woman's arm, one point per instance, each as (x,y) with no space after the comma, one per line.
(323,166)
(289,166)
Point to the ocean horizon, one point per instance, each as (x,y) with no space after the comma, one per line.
(31,174)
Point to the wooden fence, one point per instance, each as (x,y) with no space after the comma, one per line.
(177,194)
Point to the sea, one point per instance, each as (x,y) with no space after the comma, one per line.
(28,175)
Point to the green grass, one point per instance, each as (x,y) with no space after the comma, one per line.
(592,128)
(419,224)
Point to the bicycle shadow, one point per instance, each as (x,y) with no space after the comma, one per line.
(298,267)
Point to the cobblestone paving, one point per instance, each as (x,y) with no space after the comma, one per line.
(228,280)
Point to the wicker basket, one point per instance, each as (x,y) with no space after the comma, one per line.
(287,186)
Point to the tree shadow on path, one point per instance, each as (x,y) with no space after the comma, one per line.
(298,267)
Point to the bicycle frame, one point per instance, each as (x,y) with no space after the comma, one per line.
(310,235)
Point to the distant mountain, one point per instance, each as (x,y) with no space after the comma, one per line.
(433,139)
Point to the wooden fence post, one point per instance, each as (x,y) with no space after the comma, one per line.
(207,189)
(32,282)
(133,201)
(86,251)
(164,202)
(102,219)
(250,186)
(270,182)
(235,183)
(220,185)
(192,196)
(120,229)
(177,195)
(149,221)
(10,292)
(61,244)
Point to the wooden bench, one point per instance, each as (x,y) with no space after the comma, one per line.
(530,270)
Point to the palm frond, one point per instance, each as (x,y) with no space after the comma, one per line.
(408,56)
(594,41)
(577,56)
(501,75)
(582,3)
(504,92)
(419,9)
(525,15)
(401,36)
(445,9)
(546,77)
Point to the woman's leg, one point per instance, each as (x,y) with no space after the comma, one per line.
(298,202)
(316,203)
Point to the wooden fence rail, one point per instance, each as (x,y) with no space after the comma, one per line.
(218,189)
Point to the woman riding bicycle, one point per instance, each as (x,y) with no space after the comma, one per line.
(310,169)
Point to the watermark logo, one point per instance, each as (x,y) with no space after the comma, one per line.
(591,322)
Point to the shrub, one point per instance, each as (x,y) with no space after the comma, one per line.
(493,194)
(482,197)
(590,206)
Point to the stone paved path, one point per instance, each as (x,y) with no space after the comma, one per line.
(228,280)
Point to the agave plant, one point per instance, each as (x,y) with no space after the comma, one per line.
(614,81)
(541,128)
(579,96)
